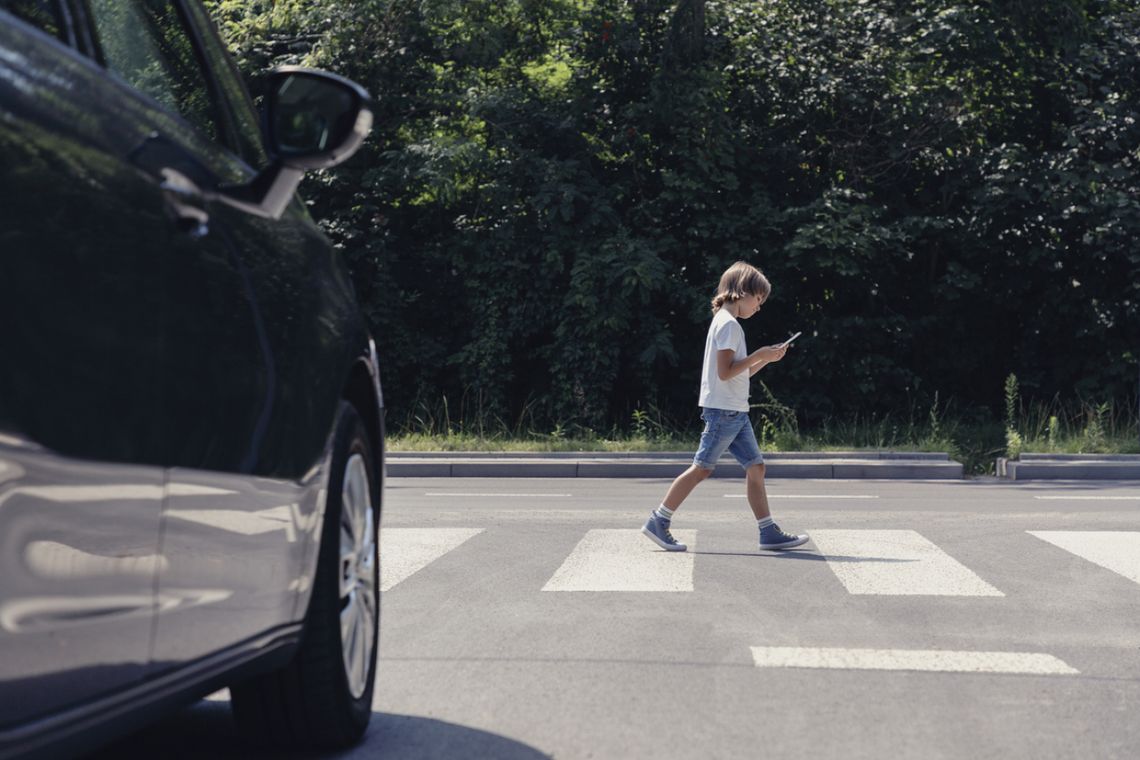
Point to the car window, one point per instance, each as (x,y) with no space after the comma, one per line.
(232,89)
(146,43)
(42,14)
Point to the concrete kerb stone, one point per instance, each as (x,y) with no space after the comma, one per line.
(818,465)
(1128,458)
(1037,466)
(513,468)
(671,455)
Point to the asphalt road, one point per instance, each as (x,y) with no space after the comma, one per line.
(964,619)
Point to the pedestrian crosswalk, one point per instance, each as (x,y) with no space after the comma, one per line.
(617,560)
(860,563)
(1119,551)
(932,660)
(406,551)
(864,562)
(896,563)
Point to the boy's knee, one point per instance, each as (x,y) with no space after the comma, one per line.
(756,471)
(702,472)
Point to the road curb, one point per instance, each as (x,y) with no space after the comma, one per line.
(843,465)
(1070,467)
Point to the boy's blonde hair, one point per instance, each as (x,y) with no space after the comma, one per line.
(740,280)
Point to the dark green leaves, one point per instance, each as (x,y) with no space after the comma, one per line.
(941,192)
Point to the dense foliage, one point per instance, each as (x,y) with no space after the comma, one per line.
(941,192)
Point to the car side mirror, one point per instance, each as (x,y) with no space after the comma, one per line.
(314,120)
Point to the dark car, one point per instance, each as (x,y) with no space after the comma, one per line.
(191,424)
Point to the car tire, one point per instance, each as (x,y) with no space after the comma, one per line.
(323,698)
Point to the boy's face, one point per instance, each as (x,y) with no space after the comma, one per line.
(749,305)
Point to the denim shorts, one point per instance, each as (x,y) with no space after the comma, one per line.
(727,430)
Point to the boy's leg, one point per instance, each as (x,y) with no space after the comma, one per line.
(657,526)
(683,485)
(757,494)
(713,443)
(747,452)
(715,439)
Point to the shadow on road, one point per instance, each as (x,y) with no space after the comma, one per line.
(804,555)
(207,730)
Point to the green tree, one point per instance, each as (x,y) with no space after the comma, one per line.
(942,193)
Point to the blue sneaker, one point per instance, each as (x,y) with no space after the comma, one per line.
(774,538)
(657,528)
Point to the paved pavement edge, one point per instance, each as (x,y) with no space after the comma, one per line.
(926,466)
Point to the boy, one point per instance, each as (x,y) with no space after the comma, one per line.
(727,367)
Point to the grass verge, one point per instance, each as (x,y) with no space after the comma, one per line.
(972,438)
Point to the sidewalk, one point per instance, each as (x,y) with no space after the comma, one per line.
(887,465)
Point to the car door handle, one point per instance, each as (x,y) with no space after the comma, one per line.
(185,203)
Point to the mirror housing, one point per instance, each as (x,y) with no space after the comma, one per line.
(314,120)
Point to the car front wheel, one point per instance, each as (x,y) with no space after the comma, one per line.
(323,697)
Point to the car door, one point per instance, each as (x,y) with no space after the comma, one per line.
(238,514)
(81,479)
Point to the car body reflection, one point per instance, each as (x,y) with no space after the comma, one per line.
(79,551)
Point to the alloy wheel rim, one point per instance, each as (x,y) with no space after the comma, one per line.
(357,574)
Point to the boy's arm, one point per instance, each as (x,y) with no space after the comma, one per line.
(727,367)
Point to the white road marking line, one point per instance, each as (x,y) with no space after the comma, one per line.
(933,660)
(1089,498)
(526,495)
(896,562)
(624,560)
(405,551)
(1116,550)
(806,496)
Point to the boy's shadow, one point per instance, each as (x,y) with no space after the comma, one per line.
(802,555)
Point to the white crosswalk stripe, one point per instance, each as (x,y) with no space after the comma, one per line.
(896,562)
(1116,550)
(1069,497)
(933,660)
(405,551)
(624,560)
(813,496)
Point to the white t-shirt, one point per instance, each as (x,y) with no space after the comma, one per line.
(732,394)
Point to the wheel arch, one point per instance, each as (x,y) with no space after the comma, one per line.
(362,390)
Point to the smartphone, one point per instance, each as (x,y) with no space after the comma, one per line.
(788,342)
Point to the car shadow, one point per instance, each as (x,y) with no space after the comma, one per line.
(207,730)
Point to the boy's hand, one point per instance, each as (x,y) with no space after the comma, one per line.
(771,353)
